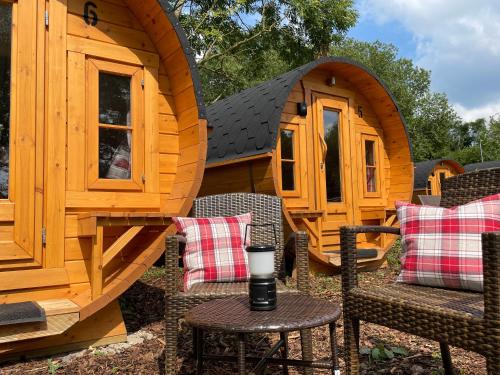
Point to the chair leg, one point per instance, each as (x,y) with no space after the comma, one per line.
(241,354)
(284,350)
(171,335)
(351,345)
(307,348)
(199,350)
(446,357)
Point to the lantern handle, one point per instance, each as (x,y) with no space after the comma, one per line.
(261,225)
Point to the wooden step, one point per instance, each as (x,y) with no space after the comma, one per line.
(60,314)
(334,257)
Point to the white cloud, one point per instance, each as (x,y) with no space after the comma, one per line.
(485,111)
(458,40)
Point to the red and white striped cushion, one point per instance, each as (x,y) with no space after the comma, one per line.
(214,249)
(442,247)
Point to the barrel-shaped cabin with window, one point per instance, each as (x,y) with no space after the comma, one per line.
(102,140)
(327,137)
(429,176)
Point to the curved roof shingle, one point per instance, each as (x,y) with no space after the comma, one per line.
(481,166)
(246,124)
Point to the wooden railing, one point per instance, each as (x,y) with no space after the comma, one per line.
(92,225)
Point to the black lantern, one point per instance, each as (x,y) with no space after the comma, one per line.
(262,286)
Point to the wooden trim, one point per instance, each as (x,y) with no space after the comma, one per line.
(136,128)
(120,243)
(87,226)
(297,167)
(115,200)
(378,165)
(240,160)
(26,279)
(56,135)
(96,268)
(6,210)
(112,52)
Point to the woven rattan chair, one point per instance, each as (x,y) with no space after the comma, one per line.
(467,320)
(265,209)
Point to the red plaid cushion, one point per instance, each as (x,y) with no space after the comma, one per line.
(442,247)
(214,248)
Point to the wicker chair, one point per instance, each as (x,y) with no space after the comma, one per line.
(467,320)
(265,209)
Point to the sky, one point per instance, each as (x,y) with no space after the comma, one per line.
(457,40)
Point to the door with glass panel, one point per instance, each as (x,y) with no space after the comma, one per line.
(21,135)
(333,166)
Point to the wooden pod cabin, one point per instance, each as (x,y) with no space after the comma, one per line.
(429,175)
(103,138)
(327,137)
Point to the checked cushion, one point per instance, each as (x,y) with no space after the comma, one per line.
(214,249)
(442,247)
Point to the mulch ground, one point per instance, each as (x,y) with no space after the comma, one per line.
(143,305)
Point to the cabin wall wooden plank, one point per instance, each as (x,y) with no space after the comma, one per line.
(56,135)
(76,175)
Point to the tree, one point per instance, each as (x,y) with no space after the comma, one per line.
(477,141)
(239,43)
(429,116)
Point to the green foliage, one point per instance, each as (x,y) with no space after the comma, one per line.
(394,255)
(239,43)
(476,141)
(382,353)
(429,116)
(155,273)
(53,366)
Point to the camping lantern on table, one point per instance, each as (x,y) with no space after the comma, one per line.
(262,286)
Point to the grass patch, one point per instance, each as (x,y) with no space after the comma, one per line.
(394,255)
(154,273)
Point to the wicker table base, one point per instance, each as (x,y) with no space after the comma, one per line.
(293,313)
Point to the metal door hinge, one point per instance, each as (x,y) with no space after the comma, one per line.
(142,83)
(44,236)
(46,18)
(143,179)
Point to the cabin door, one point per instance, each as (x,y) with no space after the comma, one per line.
(334,185)
(21,133)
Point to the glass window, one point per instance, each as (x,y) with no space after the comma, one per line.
(114,99)
(5,66)
(331,123)
(115,136)
(287,160)
(371,167)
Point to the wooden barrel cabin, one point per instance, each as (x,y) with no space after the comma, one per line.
(429,175)
(103,139)
(327,137)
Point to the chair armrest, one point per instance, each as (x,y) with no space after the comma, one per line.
(301,247)
(491,277)
(348,251)
(172,265)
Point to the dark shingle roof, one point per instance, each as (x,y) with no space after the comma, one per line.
(246,124)
(481,166)
(424,168)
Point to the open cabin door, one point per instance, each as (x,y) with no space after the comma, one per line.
(332,140)
(21,133)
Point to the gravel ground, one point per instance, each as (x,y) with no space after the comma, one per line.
(142,307)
